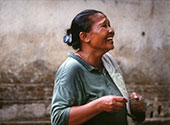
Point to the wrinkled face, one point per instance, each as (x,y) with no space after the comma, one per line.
(101,34)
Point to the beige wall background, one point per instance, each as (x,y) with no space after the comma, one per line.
(32,48)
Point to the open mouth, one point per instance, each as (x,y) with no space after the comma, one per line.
(110,39)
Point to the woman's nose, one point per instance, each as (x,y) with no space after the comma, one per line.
(111,31)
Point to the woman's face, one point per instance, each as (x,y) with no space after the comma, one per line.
(101,34)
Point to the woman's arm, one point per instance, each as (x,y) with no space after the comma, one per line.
(81,114)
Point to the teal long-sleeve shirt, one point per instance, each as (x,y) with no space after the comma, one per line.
(78,83)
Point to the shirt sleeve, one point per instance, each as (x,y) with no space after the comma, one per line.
(60,106)
(66,93)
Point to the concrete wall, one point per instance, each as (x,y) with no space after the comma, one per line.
(31,50)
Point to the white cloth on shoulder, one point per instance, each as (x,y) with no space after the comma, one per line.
(114,71)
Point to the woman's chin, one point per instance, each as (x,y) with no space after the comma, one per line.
(111,47)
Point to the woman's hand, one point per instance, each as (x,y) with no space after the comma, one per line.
(111,103)
(136,102)
(135,96)
(137,107)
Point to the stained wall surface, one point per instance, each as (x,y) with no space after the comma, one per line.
(32,49)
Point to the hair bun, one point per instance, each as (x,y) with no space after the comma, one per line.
(68,38)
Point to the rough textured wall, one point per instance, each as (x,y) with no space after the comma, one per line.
(31,49)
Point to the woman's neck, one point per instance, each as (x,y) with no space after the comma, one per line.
(92,58)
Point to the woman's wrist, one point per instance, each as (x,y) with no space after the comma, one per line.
(99,104)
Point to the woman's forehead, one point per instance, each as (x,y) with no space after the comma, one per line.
(99,18)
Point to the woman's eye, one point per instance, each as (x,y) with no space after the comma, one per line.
(105,25)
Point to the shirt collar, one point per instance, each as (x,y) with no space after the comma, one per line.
(80,60)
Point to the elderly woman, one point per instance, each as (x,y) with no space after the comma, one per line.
(89,87)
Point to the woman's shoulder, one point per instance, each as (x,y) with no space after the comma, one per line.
(70,65)
(110,62)
(108,58)
(68,72)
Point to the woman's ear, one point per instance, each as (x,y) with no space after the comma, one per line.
(84,37)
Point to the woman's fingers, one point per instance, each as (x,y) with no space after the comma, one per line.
(120,99)
(113,103)
(135,96)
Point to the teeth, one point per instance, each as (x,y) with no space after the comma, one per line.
(110,38)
